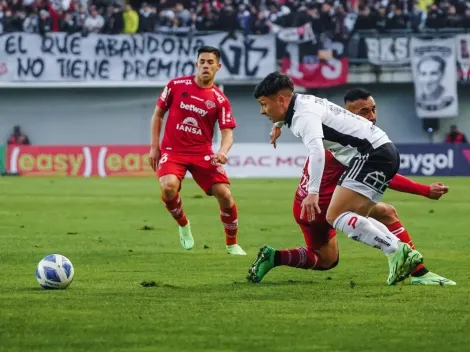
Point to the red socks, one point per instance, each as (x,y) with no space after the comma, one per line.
(175,207)
(301,257)
(229,218)
(400,232)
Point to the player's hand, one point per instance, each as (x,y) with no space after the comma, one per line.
(219,158)
(437,190)
(275,134)
(154,157)
(310,207)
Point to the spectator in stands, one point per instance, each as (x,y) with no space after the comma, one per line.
(455,136)
(45,22)
(115,20)
(131,20)
(18,137)
(94,23)
(147,18)
(31,23)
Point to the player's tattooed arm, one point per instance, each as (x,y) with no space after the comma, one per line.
(155,130)
(225,145)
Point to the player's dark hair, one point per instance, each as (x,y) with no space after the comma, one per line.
(210,50)
(442,63)
(356,94)
(272,84)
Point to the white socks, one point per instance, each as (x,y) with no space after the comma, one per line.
(361,229)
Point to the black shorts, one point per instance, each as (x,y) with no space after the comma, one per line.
(370,173)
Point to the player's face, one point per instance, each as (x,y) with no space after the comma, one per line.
(365,108)
(207,66)
(273,107)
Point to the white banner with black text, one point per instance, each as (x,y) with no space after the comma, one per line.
(59,57)
(435,77)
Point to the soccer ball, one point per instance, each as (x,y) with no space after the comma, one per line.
(55,272)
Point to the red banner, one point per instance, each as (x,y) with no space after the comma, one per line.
(83,161)
(320,74)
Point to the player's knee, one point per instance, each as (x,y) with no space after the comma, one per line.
(328,263)
(385,213)
(169,187)
(223,194)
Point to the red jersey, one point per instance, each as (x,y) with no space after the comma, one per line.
(192,114)
(331,175)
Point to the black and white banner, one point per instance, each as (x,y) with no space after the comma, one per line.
(58,57)
(435,77)
(388,51)
(463,57)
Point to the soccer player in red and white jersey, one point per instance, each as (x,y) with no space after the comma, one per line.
(321,251)
(194,104)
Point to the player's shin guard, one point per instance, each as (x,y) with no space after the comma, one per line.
(229,218)
(362,230)
(175,207)
(302,258)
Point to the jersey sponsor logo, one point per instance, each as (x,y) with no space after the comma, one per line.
(188,82)
(210,104)
(165,93)
(219,96)
(335,109)
(189,125)
(319,101)
(196,98)
(191,107)
(226,116)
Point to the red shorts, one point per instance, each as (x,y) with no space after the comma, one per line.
(318,232)
(200,166)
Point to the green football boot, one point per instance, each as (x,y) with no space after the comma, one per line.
(262,265)
(402,263)
(431,279)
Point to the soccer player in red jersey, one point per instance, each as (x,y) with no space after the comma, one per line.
(321,251)
(194,104)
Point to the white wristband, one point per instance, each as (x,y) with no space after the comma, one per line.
(279,124)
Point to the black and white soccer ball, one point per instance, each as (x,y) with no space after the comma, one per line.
(55,272)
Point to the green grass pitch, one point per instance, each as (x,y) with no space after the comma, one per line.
(118,234)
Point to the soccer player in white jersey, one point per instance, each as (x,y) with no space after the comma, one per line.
(372,158)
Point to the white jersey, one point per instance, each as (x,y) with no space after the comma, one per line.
(344,134)
(324,125)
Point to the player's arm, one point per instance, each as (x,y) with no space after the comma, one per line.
(163,104)
(226,124)
(403,184)
(227,140)
(307,125)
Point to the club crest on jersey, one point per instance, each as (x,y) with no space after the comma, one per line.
(193,108)
(189,125)
(210,104)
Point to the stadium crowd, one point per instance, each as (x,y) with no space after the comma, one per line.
(257,17)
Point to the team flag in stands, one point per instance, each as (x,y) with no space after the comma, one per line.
(463,57)
(435,77)
(310,60)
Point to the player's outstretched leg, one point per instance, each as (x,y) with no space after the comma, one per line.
(268,258)
(325,258)
(170,196)
(388,216)
(401,258)
(229,217)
